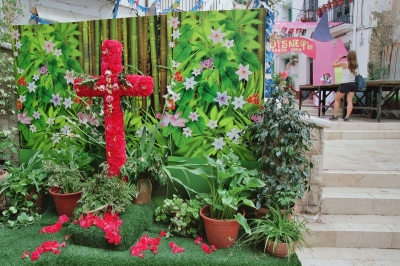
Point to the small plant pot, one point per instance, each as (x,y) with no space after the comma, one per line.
(281,249)
(220,233)
(145,189)
(65,203)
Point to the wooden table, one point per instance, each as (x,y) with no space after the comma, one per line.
(371,99)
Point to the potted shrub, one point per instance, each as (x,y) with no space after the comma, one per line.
(230,187)
(280,140)
(22,190)
(8,148)
(279,234)
(67,168)
(101,193)
(181,215)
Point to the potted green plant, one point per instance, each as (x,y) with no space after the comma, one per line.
(280,234)
(101,193)
(8,148)
(280,140)
(230,187)
(294,58)
(22,190)
(181,215)
(67,168)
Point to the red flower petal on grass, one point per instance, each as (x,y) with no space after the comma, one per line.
(35,255)
(198,240)
(162,233)
(63,219)
(205,248)
(25,255)
(213,248)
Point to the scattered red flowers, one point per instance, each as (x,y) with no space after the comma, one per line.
(175,248)
(21,81)
(207,249)
(51,229)
(145,243)
(47,246)
(109,224)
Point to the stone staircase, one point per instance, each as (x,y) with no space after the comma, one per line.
(359,221)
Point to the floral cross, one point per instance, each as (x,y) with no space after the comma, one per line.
(112,85)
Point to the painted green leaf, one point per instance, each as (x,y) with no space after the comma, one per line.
(73,64)
(44,94)
(238,41)
(247,18)
(197,127)
(214,113)
(75,53)
(186,97)
(24,60)
(57,36)
(229,78)
(229,25)
(40,123)
(52,65)
(25,131)
(48,82)
(225,121)
(25,44)
(66,52)
(220,59)
(216,16)
(60,83)
(206,92)
(186,33)
(184,110)
(182,51)
(30,98)
(249,58)
(178,137)
(252,44)
(167,130)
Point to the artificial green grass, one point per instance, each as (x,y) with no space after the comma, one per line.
(13,242)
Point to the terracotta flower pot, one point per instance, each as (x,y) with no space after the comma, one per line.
(65,203)
(220,233)
(145,188)
(281,249)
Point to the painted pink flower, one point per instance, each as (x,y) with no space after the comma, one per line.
(174,120)
(24,119)
(256,118)
(109,98)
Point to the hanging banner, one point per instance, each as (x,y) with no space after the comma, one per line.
(293,44)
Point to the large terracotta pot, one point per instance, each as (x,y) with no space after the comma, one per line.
(281,249)
(145,188)
(220,233)
(65,203)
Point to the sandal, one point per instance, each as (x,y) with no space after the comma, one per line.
(333,118)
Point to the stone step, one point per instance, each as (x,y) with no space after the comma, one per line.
(361,178)
(353,231)
(360,201)
(325,256)
(361,134)
(386,125)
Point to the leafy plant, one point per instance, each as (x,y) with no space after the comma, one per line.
(230,186)
(280,140)
(23,186)
(101,192)
(68,168)
(375,72)
(182,215)
(9,147)
(278,228)
(7,84)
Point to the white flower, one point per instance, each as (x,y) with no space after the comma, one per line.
(139,132)
(69,76)
(36,115)
(15,53)
(233,134)
(36,77)
(229,43)
(243,72)
(20,71)
(194,116)
(22,98)
(50,121)
(173,22)
(32,128)
(189,83)
(31,87)
(48,46)
(217,36)
(171,44)
(196,71)
(212,124)
(175,97)
(55,138)
(18,45)
(56,99)
(66,129)
(187,132)
(218,144)
(176,34)
(175,64)
(15,34)
(222,99)
(238,102)
(57,52)
(68,102)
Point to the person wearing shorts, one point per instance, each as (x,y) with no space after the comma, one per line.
(348,86)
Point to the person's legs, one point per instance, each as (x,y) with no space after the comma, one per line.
(349,96)
(336,104)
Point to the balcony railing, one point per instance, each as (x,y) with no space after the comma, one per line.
(342,13)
